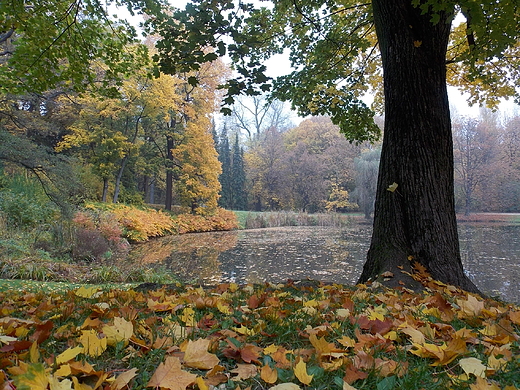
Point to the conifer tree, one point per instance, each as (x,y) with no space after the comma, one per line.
(224,156)
(238,177)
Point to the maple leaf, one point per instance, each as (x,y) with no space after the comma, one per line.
(56,384)
(197,355)
(483,384)
(88,292)
(473,366)
(300,371)
(68,355)
(169,375)
(92,344)
(244,371)
(250,353)
(122,330)
(34,377)
(123,379)
(269,374)
(471,307)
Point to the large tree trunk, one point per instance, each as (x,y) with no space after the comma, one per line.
(417,221)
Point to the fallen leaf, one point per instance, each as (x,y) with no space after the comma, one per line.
(34,378)
(56,384)
(483,384)
(169,375)
(473,366)
(286,386)
(300,371)
(346,386)
(92,344)
(123,379)
(269,374)
(244,371)
(197,355)
(122,330)
(87,292)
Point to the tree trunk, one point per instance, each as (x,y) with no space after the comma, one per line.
(169,174)
(105,190)
(117,188)
(417,220)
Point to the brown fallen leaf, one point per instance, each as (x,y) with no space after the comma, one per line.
(244,371)
(169,375)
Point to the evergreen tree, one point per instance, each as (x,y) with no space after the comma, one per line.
(238,178)
(224,156)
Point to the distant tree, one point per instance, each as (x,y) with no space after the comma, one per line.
(225,178)
(238,177)
(366,167)
(474,150)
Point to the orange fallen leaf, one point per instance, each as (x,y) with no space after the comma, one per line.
(269,374)
(300,371)
(169,375)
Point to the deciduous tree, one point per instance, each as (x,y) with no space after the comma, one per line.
(331,45)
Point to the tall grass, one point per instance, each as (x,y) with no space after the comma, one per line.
(258,220)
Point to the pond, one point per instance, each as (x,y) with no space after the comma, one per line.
(490,254)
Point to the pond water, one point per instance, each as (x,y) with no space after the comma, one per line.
(490,254)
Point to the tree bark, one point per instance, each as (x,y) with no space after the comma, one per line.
(169,173)
(416,222)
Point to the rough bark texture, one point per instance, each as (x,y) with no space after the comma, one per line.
(416,221)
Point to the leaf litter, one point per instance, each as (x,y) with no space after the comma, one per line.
(279,336)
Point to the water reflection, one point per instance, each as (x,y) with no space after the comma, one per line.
(490,255)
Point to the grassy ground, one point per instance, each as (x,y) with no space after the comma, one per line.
(290,336)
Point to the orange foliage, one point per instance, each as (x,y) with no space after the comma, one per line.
(116,221)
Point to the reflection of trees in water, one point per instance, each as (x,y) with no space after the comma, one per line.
(191,257)
(490,254)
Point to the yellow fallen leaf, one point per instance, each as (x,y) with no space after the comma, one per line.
(92,344)
(35,378)
(342,313)
(470,307)
(68,355)
(64,370)
(473,366)
(483,384)
(347,342)
(188,316)
(87,292)
(197,355)
(34,353)
(201,384)
(56,384)
(269,374)
(123,379)
(270,349)
(300,371)
(415,335)
(122,330)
